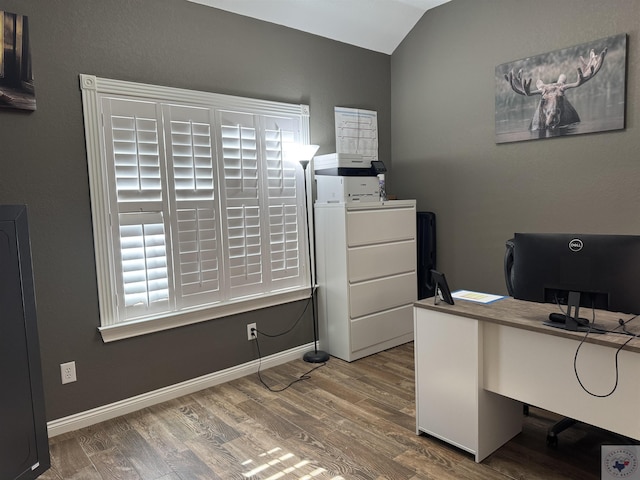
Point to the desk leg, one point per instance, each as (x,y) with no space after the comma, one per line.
(499,420)
(451,402)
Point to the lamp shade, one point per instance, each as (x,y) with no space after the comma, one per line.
(297,152)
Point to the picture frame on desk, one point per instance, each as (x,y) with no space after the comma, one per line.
(442,288)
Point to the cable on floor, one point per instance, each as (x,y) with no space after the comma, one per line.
(304,376)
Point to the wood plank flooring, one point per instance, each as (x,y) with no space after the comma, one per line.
(348,421)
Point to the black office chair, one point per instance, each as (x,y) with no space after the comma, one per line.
(561,425)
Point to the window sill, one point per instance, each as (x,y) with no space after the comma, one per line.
(136,328)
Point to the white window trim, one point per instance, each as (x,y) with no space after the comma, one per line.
(136,328)
(92,87)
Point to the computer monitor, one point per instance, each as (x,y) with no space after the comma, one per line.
(603,269)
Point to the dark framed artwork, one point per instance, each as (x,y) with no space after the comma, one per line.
(16,75)
(575,90)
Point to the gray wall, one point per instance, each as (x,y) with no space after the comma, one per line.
(43,164)
(440,82)
(443,146)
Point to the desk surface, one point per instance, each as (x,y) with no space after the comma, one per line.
(531,315)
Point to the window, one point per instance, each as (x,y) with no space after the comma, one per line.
(196,214)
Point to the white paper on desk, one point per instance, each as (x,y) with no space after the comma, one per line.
(357,132)
(476,296)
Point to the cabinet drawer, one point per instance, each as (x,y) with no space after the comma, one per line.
(381,294)
(381,327)
(374,261)
(380,225)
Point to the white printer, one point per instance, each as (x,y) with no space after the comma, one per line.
(349,164)
(342,189)
(342,177)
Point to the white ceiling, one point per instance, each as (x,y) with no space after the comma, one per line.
(378,25)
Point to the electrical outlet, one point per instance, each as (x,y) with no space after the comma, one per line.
(68,372)
(252,335)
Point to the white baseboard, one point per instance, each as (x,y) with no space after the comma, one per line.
(122,407)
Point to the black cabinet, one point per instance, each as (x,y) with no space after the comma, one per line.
(24,446)
(426,242)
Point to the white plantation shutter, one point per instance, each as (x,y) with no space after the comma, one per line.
(193,195)
(144,263)
(242,209)
(137,168)
(195,213)
(263,202)
(285,189)
(132,141)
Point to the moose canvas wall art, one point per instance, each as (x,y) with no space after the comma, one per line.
(580,89)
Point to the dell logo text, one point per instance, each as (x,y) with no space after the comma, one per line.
(575,245)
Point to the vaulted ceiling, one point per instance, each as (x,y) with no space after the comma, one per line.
(378,25)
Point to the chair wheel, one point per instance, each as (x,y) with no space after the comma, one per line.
(552,441)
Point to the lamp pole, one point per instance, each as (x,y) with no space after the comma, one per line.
(314,356)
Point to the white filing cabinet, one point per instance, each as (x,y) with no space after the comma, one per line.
(366,272)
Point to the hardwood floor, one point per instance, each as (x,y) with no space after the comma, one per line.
(348,421)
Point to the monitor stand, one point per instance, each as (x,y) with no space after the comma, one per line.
(573,322)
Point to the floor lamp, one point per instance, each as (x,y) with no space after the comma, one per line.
(305,154)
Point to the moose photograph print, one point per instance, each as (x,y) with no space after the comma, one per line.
(579,89)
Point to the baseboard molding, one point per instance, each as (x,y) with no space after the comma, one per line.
(122,407)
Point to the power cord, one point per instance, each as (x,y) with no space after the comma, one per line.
(305,376)
(622,324)
(295,324)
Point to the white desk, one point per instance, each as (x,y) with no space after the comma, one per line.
(476,363)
